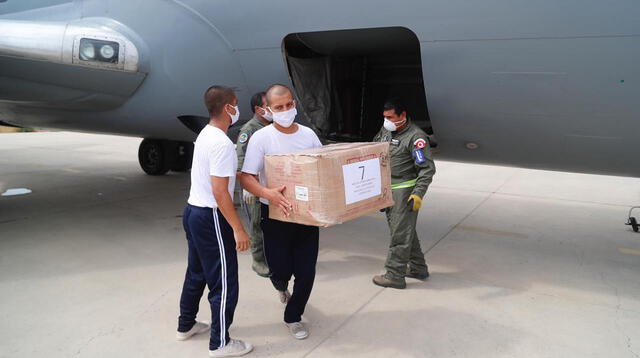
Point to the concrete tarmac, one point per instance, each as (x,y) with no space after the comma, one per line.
(524,264)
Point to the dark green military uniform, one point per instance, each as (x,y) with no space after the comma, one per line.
(255,232)
(412,170)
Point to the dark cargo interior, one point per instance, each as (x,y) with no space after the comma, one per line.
(342,79)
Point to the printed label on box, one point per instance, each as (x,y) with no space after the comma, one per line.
(361,180)
(302,193)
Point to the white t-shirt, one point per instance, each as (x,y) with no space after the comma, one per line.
(269,140)
(213,155)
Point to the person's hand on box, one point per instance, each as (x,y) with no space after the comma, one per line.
(275,197)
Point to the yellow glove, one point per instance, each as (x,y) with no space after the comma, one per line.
(417,202)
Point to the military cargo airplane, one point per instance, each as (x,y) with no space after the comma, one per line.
(538,84)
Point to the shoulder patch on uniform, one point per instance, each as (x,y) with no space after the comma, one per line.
(243,138)
(420,143)
(418,155)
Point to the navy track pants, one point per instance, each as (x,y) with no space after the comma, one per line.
(213,262)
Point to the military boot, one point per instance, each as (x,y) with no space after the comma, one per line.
(261,269)
(382,280)
(422,276)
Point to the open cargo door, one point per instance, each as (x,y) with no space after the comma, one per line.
(342,78)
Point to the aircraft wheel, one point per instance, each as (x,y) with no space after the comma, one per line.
(154,156)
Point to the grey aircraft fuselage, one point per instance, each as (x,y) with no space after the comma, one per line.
(539,84)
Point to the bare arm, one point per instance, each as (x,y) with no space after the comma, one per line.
(250,183)
(219,187)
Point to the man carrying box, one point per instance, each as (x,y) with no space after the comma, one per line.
(290,249)
(412,171)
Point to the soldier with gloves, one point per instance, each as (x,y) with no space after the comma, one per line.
(412,170)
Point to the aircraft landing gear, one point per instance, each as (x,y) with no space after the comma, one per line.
(158,156)
(633,222)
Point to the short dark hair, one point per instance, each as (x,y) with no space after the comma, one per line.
(215,97)
(256,100)
(277,89)
(396,105)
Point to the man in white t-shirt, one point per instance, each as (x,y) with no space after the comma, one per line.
(290,249)
(214,231)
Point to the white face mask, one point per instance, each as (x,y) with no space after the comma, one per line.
(392,126)
(267,115)
(234,117)
(286,118)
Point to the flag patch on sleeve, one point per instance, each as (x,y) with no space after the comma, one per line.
(420,143)
(419,157)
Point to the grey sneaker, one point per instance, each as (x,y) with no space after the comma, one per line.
(298,330)
(284,296)
(199,327)
(235,348)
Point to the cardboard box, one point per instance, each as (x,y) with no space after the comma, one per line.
(332,184)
